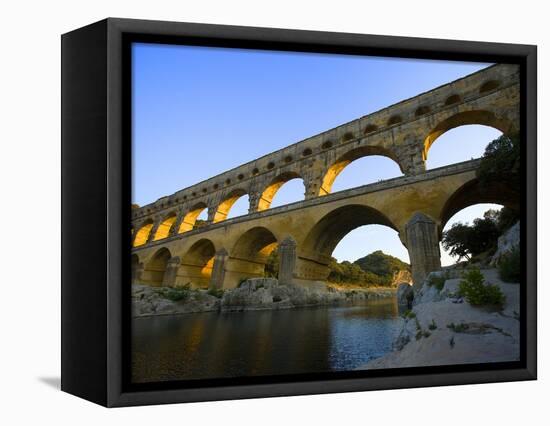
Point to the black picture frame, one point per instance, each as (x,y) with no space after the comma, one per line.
(96,171)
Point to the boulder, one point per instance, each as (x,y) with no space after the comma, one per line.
(405,294)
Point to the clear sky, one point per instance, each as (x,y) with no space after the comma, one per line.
(199,111)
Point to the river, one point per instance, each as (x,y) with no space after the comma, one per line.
(257,343)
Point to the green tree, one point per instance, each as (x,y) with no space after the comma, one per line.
(501,163)
(272,265)
(381,264)
(457,240)
(465,241)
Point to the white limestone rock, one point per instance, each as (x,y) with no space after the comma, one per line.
(506,243)
(446,330)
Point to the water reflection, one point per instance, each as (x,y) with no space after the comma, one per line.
(214,345)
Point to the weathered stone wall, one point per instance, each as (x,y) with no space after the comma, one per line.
(403,132)
(244,238)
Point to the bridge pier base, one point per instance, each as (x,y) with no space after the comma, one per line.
(287,260)
(218,269)
(423,245)
(137,271)
(171,272)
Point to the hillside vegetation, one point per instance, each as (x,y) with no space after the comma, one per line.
(374,270)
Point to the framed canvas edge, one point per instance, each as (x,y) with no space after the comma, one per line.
(117,164)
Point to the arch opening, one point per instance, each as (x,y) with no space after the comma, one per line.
(273,196)
(163,230)
(316,252)
(196,265)
(473,232)
(194,219)
(370,255)
(478,117)
(142,234)
(473,192)
(250,254)
(154,270)
(344,161)
(460,144)
(235,204)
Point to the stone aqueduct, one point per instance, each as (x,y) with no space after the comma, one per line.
(169,250)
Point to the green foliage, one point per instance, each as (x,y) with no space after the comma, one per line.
(216,292)
(466,241)
(472,287)
(456,240)
(272,265)
(350,273)
(382,264)
(501,163)
(408,314)
(437,281)
(458,328)
(509,267)
(376,269)
(432,325)
(503,218)
(175,294)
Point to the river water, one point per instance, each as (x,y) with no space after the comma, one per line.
(304,340)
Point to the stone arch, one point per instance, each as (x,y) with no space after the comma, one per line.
(154,270)
(190,218)
(273,187)
(325,235)
(341,163)
(473,192)
(225,206)
(249,254)
(142,234)
(486,118)
(196,265)
(165,226)
(316,250)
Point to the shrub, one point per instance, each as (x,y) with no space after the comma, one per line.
(437,281)
(472,287)
(458,328)
(216,292)
(409,314)
(432,325)
(176,294)
(509,267)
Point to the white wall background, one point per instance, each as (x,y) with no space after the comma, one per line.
(30,210)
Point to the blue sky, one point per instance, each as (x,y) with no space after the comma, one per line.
(200,111)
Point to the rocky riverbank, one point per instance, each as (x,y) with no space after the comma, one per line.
(252,294)
(444,329)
